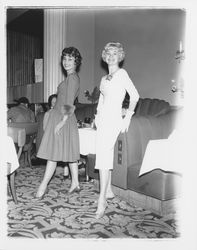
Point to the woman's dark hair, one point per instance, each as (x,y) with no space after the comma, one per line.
(50,99)
(72,51)
(44,108)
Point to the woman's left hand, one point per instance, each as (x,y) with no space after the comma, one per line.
(125,124)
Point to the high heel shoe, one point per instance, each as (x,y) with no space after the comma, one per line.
(40,197)
(110,196)
(77,189)
(100,211)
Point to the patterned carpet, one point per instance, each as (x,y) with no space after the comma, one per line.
(59,215)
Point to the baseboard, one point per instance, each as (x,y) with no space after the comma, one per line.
(154,205)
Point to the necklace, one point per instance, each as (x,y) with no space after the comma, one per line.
(110,76)
(73,72)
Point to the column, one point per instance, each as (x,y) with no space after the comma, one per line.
(55,27)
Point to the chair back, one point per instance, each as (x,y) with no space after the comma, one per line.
(30,127)
(18,135)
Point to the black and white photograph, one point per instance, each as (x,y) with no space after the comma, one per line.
(98,124)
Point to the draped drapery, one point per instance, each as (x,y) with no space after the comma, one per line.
(21,51)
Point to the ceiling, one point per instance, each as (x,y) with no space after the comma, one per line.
(14,13)
(29,21)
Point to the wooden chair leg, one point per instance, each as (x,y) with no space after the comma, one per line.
(84,160)
(29,157)
(26,158)
(86,169)
(19,152)
(11,181)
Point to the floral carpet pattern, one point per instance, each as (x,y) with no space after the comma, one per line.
(59,215)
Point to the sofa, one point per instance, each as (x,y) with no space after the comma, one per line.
(146,107)
(157,190)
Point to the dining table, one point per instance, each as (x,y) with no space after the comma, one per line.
(87,140)
(12,164)
(11,156)
(164,154)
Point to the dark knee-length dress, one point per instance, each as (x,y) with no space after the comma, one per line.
(65,146)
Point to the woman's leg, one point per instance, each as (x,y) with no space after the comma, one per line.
(104,182)
(109,192)
(50,169)
(66,172)
(104,162)
(74,176)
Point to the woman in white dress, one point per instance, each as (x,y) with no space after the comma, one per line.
(109,121)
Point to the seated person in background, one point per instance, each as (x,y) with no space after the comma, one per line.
(42,118)
(21,113)
(51,102)
(41,111)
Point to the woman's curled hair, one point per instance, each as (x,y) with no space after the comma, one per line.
(72,51)
(114,45)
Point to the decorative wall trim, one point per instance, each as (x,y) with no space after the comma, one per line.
(34,92)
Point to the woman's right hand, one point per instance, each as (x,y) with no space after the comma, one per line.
(58,127)
(126,121)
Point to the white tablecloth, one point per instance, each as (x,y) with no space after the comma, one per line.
(87,141)
(11,157)
(165,154)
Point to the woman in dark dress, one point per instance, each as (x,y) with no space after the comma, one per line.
(61,143)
